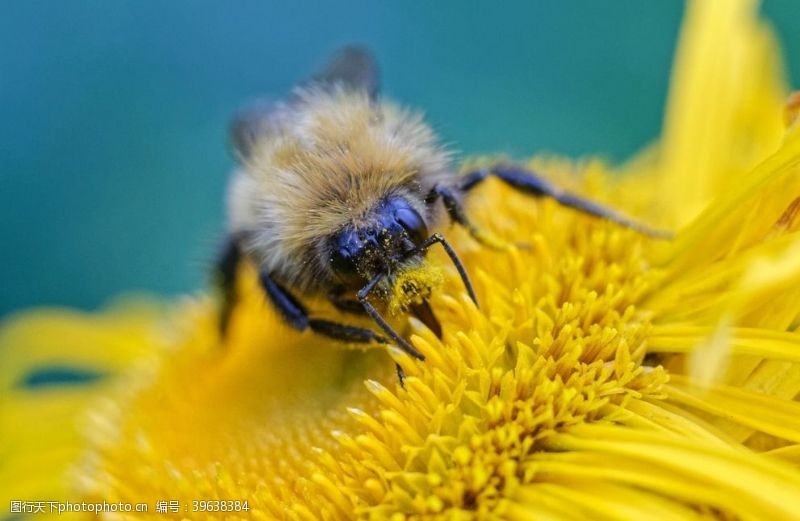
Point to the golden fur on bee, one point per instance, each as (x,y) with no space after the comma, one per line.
(325,159)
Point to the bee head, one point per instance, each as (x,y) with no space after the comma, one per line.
(381,242)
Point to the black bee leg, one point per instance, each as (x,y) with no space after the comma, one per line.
(457,214)
(531,184)
(296,314)
(336,297)
(225,279)
(345,333)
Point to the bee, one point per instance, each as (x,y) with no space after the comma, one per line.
(335,193)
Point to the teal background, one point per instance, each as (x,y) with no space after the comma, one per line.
(113,158)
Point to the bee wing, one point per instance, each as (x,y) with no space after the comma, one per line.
(354,67)
(249,124)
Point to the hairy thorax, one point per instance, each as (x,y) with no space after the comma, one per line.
(326,160)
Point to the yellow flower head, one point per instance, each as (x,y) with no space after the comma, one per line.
(606,375)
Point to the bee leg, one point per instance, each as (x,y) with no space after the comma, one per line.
(401,375)
(344,304)
(296,314)
(354,334)
(531,184)
(457,214)
(225,279)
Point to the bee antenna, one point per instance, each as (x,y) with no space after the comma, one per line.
(462,272)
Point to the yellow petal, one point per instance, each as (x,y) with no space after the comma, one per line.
(725,108)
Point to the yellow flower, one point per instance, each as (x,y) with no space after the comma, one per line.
(605,376)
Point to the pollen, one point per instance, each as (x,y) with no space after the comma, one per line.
(604,374)
(413,285)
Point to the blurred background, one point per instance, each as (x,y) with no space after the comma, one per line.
(113,114)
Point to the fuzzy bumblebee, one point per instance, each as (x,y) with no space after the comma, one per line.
(335,192)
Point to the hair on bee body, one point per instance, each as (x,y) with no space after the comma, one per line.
(335,192)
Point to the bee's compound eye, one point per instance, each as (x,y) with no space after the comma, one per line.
(412,222)
(345,247)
